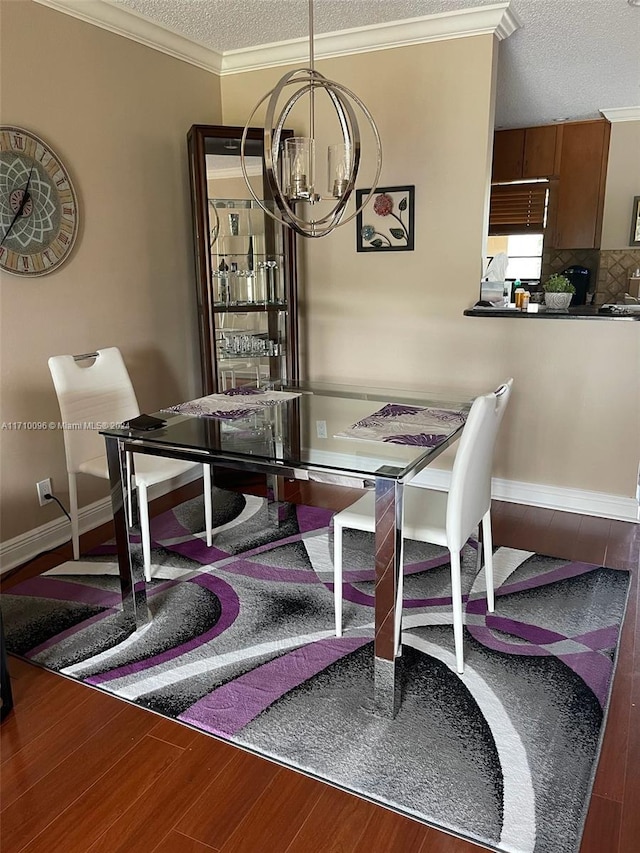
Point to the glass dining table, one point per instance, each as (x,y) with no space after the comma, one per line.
(352,436)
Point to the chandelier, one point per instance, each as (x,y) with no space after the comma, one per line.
(291,169)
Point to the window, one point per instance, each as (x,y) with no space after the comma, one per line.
(517,220)
(524,252)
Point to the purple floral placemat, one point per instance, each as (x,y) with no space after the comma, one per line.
(234,404)
(401,424)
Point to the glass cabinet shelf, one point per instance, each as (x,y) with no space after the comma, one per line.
(240,307)
(227,356)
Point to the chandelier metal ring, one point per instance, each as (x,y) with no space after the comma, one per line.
(339,94)
(350,134)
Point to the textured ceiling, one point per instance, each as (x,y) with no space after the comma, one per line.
(569,59)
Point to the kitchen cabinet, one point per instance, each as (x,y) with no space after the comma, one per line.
(525,153)
(508,155)
(541,152)
(246,270)
(579,203)
(573,156)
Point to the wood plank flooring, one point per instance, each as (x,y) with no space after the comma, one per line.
(84,772)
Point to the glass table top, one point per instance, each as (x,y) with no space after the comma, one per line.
(317,426)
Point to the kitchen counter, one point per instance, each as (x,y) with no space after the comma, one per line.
(580,312)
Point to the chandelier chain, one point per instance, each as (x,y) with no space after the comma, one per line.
(312,116)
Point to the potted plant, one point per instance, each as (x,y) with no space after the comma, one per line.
(558,291)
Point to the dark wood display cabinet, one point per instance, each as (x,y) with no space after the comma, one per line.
(246,268)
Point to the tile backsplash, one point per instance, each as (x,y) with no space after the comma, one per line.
(610,269)
(616,265)
(557,260)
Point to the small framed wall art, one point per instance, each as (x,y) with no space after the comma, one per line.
(387,222)
(634,237)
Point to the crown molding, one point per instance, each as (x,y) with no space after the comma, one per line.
(498,19)
(125,22)
(622,114)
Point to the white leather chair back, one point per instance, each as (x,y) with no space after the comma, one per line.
(470,490)
(101,393)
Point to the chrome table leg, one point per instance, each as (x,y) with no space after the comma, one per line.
(135,612)
(388,562)
(275,506)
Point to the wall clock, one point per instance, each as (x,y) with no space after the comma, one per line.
(38,205)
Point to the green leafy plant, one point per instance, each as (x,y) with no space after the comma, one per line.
(557,283)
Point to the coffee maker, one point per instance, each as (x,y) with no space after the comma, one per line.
(579,278)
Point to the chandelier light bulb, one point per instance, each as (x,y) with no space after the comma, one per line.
(298,168)
(339,165)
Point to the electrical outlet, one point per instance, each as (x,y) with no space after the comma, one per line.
(321,429)
(44,488)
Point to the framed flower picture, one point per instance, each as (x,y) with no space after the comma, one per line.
(387,222)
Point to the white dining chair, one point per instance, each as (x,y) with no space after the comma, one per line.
(101,392)
(443,518)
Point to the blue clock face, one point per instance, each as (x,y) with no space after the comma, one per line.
(38,206)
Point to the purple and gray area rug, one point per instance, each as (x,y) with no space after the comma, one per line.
(242,646)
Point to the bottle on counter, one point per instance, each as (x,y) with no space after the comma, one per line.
(525,300)
(519,294)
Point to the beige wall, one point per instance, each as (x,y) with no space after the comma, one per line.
(623,183)
(117,113)
(397,318)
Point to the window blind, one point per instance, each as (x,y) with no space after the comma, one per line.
(518,208)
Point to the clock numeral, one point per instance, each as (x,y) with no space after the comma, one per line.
(53,169)
(67,211)
(3,252)
(11,261)
(63,237)
(61,181)
(18,142)
(25,262)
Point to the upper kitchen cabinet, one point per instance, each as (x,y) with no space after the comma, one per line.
(527,152)
(573,157)
(580,190)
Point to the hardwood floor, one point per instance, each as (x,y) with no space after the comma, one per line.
(84,772)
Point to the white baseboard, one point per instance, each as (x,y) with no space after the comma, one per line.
(579,501)
(28,545)
(549,497)
(14,552)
